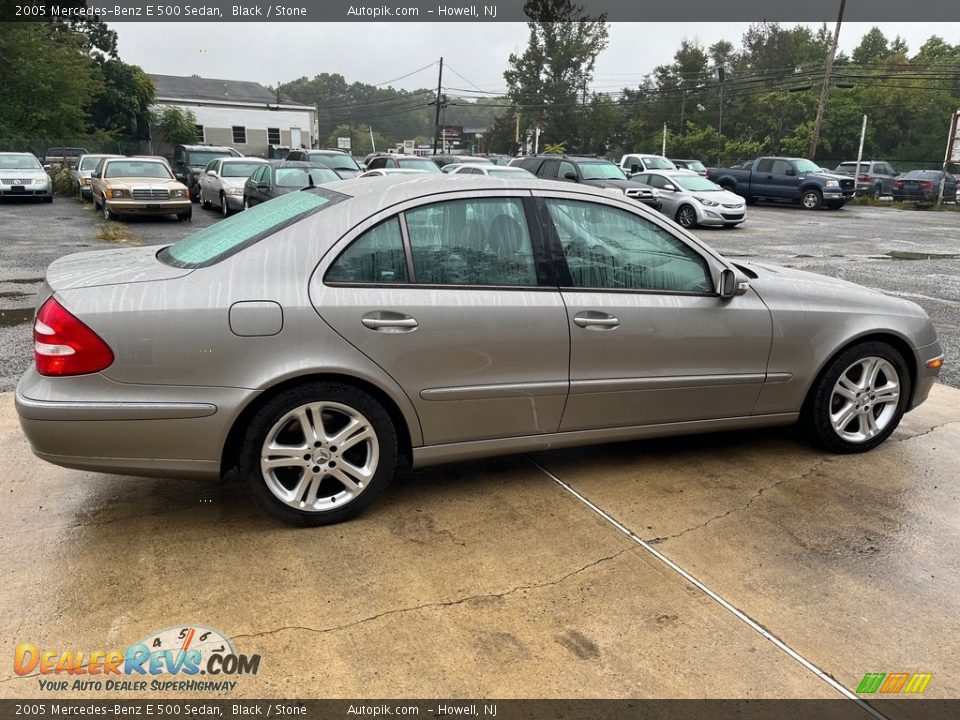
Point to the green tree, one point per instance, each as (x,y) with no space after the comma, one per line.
(547,82)
(175,126)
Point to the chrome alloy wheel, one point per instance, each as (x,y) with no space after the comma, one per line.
(319,456)
(864,399)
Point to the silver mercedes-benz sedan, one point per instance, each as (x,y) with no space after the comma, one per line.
(318,341)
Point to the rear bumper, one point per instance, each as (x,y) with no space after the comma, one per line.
(92,423)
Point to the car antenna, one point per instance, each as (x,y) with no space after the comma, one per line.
(312,183)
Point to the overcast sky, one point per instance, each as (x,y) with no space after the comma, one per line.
(375,53)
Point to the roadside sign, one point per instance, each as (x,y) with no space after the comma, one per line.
(343,143)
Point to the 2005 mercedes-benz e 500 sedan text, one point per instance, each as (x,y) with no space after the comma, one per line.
(318,340)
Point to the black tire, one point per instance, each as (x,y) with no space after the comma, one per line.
(108,214)
(272,415)
(686,216)
(246,203)
(750,200)
(876,192)
(823,399)
(204,203)
(48,199)
(811,199)
(224,208)
(185,216)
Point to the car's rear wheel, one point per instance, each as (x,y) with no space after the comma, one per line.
(811,199)
(876,192)
(859,399)
(686,216)
(318,454)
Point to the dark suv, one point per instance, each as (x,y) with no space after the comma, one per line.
(596,172)
(338,161)
(190,160)
(875,179)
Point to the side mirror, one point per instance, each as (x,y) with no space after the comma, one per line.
(570,176)
(730,286)
(211,172)
(670,187)
(263,186)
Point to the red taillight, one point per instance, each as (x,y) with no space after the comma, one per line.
(926,186)
(62,345)
(898,184)
(864,178)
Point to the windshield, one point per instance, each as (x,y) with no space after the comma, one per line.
(196,159)
(296,177)
(239,169)
(19,162)
(601,171)
(696,183)
(336,161)
(696,166)
(425,165)
(652,162)
(90,162)
(216,242)
(806,166)
(137,169)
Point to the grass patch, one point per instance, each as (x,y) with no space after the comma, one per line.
(116,232)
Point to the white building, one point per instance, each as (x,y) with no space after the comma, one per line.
(243,115)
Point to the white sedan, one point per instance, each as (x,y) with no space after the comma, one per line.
(383,172)
(221,182)
(501,171)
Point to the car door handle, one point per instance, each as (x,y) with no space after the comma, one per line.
(386,321)
(594,319)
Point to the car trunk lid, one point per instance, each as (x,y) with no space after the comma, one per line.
(110,267)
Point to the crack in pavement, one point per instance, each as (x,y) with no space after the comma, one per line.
(814,468)
(925,432)
(425,606)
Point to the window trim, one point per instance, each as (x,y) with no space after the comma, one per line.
(279,136)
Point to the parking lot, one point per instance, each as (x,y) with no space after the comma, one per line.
(730,565)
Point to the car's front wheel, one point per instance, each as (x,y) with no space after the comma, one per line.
(108,214)
(811,199)
(224,208)
(204,203)
(318,454)
(686,216)
(859,399)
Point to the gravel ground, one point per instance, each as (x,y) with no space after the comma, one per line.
(907,253)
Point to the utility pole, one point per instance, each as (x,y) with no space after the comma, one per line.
(947,156)
(721,74)
(825,90)
(863,134)
(436,119)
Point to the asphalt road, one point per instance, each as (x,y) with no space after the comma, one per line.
(912,254)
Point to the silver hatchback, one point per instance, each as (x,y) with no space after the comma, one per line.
(320,340)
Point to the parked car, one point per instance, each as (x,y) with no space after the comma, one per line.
(22,175)
(222,183)
(63,156)
(444,319)
(80,175)
(395,160)
(383,172)
(501,171)
(444,160)
(693,165)
(189,162)
(693,200)
(337,160)
(639,162)
(161,158)
(596,172)
(138,186)
(279,177)
(875,179)
(781,178)
(923,187)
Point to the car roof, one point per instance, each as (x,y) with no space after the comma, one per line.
(243,159)
(21,154)
(400,188)
(208,148)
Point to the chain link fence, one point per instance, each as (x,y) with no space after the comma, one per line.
(53,147)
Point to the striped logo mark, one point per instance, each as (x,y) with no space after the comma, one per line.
(894,683)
